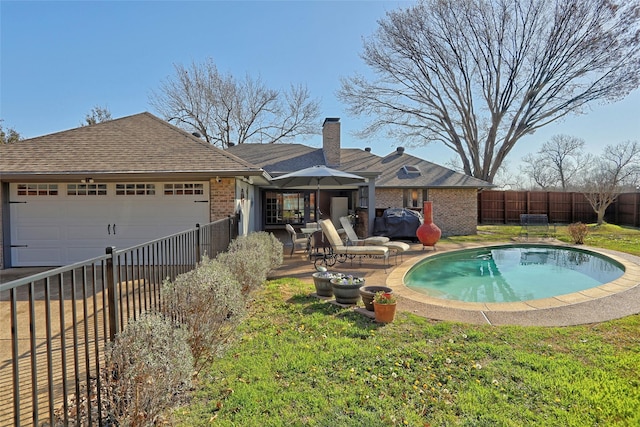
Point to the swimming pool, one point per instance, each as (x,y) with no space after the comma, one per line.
(511,273)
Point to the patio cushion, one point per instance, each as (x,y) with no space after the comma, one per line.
(399,247)
(353,237)
(340,248)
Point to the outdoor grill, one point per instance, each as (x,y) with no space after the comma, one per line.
(398,223)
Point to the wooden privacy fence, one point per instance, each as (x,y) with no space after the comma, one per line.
(505,207)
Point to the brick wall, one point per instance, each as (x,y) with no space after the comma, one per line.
(455,211)
(331,141)
(362,226)
(388,198)
(222,198)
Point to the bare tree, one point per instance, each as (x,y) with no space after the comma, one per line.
(478,75)
(225,111)
(557,163)
(8,135)
(505,179)
(538,170)
(97,115)
(617,167)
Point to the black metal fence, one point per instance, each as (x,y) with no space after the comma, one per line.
(54,325)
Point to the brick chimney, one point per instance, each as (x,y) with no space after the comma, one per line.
(331,141)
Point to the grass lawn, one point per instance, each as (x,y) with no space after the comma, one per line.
(303,362)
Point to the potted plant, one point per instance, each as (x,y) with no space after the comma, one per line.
(367,293)
(322,282)
(384,306)
(347,289)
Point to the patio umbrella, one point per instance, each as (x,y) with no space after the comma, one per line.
(317,175)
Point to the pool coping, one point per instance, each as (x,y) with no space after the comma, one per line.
(590,305)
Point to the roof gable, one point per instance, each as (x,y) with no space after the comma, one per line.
(141,143)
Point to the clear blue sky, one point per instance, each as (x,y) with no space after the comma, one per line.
(60,59)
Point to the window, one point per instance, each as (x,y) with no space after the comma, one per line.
(363,196)
(410,198)
(37,189)
(293,207)
(135,189)
(86,189)
(183,189)
(411,170)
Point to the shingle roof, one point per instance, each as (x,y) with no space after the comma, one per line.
(283,158)
(141,143)
(430,175)
(279,158)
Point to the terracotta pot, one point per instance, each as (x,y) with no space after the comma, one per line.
(345,293)
(385,313)
(367,293)
(428,233)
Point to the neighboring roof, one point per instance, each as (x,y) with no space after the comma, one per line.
(141,143)
(402,170)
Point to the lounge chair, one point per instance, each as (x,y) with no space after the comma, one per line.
(297,241)
(343,252)
(353,239)
(398,248)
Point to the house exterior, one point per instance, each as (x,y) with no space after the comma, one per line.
(407,181)
(399,180)
(298,205)
(66,196)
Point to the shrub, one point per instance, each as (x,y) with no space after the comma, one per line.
(251,257)
(578,231)
(207,300)
(148,371)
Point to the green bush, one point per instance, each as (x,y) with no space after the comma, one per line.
(578,231)
(251,257)
(208,301)
(148,371)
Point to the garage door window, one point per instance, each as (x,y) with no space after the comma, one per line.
(179,189)
(86,189)
(37,189)
(135,189)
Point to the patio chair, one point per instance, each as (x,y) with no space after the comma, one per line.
(320,250)
(296,240)
(353,239)
(342,252)
(398,248)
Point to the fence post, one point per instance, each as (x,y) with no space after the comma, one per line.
(504,207)
(636,210)
(112,297)
(197,244)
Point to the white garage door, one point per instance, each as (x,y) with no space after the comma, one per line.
(62,223)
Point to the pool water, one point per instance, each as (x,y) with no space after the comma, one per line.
(511,273)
